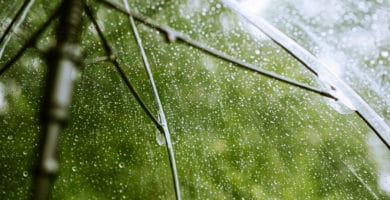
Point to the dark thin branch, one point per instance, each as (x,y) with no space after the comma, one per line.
(31,42)
(180,36)
(120,71)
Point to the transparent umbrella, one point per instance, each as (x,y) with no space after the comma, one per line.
(250,117)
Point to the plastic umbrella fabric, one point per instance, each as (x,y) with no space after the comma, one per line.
(243,118)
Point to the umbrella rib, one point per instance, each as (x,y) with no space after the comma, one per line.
(120,71)
(21,15)
(158,104)
(31,42)
(20,11)
(361,107)
(364,111)
(173,34)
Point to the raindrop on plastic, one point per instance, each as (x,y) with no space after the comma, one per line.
(121,165)
(160,138)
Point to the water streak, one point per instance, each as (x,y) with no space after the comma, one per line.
(353,171)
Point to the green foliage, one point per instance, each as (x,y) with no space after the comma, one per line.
(237,135)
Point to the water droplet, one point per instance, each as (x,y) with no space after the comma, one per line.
(10,137)
(171,37)
(160,138)
(25,174)
(121,165)
(74,169)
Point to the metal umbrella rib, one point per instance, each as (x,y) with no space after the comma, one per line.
(112,58)
(16,21)
(364,111)
(65,58)
(209,50)
(30,42)
(161,113)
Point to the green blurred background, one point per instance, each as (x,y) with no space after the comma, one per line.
(236,134)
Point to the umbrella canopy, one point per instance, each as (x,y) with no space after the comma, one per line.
(246,118)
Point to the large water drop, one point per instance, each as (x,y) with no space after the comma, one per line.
(160,138)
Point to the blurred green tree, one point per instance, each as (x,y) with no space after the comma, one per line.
(236,134)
